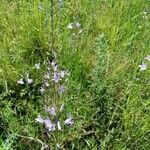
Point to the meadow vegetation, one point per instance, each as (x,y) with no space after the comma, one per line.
(74,74)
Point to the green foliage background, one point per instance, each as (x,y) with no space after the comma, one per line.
(110,107)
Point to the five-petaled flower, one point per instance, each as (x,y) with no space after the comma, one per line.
(69,121)
(29,80)
(61,89)
(49,125)
(21,81)
(42,90)
(56,77)
(70,26)
(143,67)
(51,110)
(54,66)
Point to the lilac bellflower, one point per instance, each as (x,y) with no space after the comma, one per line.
(51,110)
(39,119)
(56,77)
(143,67)
(61,89)
(49,125)
(69,121)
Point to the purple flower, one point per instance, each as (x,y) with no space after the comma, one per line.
(69,121)
(61,89)
(21,81)
(62,73)
(39,119)
(56,77)
(29,80)
(49,125)
(143,67)
(51,110)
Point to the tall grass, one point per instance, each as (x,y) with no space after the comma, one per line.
(107,94)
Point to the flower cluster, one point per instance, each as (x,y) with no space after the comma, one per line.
(54,76)
(26,79)
(52,84)
(75,25)
(51,76)
(144,65)
(145,14)
(52,122)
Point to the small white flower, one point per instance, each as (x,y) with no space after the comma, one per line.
(52,111)
(61,89)
(47,76)
(21,81)
(37,66)
(78,25)
(29,80)
(143,67)
(54,66)
(56,77)
(42,90)
(147,57)
(49,125)
(58,125)
(70,26)
(62,73)
(69,121)
(39,119)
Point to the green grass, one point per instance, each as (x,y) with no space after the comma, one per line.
(110,107)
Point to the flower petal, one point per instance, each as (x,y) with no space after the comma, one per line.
(69,121)
(51,110)
(39,119)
